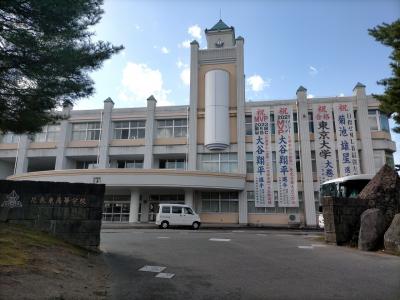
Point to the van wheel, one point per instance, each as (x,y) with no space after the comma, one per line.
(164,225)
(196,225)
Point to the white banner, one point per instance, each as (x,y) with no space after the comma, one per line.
(285,157)
(325,153)
(346,139)
(262,158)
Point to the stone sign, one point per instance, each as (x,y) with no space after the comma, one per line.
(71,211)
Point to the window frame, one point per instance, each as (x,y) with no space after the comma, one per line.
(163,126)
(134,126)
(87,130)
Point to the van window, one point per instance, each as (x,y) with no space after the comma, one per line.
(176,210)
(166,209)
(188,211)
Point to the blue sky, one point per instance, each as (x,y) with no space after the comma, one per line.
(322,45)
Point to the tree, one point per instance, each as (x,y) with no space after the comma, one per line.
(389,35)
(46,53)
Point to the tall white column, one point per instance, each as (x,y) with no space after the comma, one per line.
(241,129)
(149,137)
(364,130)
(134,209)
(306,165)
(106,134)
(63,138)
(189,197)
(194,87)
(22,156)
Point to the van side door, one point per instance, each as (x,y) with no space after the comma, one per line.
(176,216)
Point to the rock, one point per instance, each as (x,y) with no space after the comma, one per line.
(383,192)
(372,229)
(392,236)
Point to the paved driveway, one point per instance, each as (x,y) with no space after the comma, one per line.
(243,264)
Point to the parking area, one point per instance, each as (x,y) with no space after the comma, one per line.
(243,264)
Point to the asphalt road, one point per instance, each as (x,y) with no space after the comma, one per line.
(244,264)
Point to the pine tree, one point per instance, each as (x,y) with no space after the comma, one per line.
(46,53)
(389,35)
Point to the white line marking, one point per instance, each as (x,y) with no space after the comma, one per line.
(163,237)
(155,269)
(305,247)
(237,230)
(219,240)
(318,245)
(165,275)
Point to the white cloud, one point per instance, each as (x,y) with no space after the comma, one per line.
(341,95)
(195,31)
(185,76)
(257,83)
(184,44)
(310,96)
(138,28)
(312,71)
(164,50)
(139,82)
(180,64)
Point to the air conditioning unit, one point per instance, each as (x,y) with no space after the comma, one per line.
(293,219)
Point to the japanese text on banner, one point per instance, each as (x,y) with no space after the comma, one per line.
(262,158)
(285,157)
(346,139)
(324,142)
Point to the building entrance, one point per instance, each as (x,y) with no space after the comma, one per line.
(155,200)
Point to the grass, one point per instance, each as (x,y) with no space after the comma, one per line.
(17,243)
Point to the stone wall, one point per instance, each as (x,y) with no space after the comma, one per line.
(71,211)
(342,218)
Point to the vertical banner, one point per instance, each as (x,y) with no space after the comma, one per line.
(286,157)
(262,158)
(346,139)
(325,153)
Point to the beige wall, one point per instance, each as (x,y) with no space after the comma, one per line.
(231,69)
(44,145)
(227,218)
(137,142)
(170,141)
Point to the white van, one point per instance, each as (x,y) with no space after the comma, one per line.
(177,214)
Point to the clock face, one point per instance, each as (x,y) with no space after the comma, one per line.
(219,43)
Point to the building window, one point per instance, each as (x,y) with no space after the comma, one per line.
(131,130)
(172,164)
(116,208)
(313,162)
(249,162)
(171,128)
(130,164)
(383,122)
(298,161)
(389,159)
(49,134)
(249,125)
(87,164)
(372,119)
(86,131)
(9,138)
(218,162)
(295,125)
(219,202)
(310,122)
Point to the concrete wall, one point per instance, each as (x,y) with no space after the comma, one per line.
(71,211)
(342,218)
